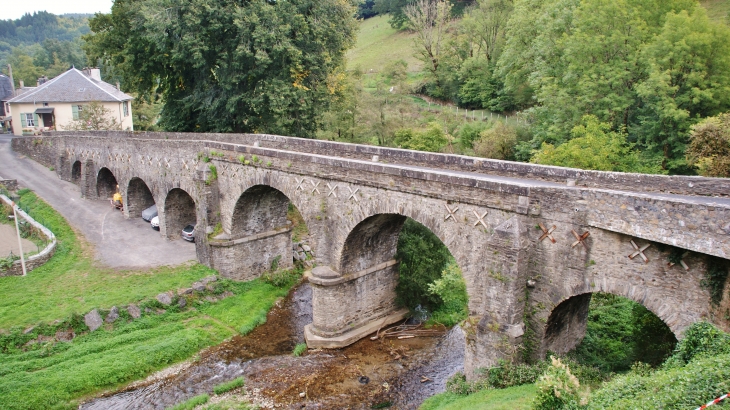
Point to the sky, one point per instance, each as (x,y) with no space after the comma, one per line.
(14,9)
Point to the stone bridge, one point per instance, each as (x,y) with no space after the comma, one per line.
(533,242)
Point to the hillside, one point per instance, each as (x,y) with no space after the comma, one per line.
(378,44)
(718,10)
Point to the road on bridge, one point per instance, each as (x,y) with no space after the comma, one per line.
(119,242)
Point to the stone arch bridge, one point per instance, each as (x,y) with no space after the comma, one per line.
(533,242)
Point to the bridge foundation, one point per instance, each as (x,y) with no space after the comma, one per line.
(248,257)
(347,308)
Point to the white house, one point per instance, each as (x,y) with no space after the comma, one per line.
(56,102)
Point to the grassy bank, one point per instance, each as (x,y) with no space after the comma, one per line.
(38,372)
(513,398)
(72,282)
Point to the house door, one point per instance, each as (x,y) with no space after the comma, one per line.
(47,120)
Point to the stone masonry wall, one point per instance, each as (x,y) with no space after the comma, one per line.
(595,179)
(490,225)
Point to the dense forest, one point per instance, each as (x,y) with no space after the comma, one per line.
(42,44)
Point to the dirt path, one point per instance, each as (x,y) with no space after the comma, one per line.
(9,242)
(119,242)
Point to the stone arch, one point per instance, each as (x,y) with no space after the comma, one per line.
(371,242)
(566,324)
(179,211)
(106,183)
(258,209)
(260,235)
(76,172)
(139,197)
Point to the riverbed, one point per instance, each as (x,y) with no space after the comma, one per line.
(387,372)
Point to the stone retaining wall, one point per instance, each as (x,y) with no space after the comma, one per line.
(37,259)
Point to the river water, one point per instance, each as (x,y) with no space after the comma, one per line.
(386,372)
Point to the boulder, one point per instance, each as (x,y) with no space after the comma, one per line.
(93,320)
(113,315)
(65,336)
(199,286)
(209,279)
(182,302)
(306,248)
(134,311)
(165,299)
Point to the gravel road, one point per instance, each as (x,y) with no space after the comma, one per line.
(119,243)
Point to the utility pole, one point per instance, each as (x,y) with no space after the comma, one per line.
(20,243)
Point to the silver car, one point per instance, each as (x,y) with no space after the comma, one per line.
(149,213)
(188,233)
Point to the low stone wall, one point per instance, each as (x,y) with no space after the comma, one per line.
(37,259)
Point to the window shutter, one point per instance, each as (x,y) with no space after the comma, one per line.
(75,111)
(22,120)
(36,121)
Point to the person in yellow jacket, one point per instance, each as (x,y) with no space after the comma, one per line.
(117,200)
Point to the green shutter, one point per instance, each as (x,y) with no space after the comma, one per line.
(22,120)
(36,120)
(75,111)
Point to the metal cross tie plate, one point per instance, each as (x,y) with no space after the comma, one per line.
(451,213)
(547,233)
(480,219)
(352,194)
(332,189)
(639,251)
(315,187)
(580,239)
(681,261)
(299,184)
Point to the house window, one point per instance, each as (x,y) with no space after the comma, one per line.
(29,120)
(45,104)
(76,109)
(125,108)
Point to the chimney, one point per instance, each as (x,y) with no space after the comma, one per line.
(42,80)
(93,73)
(117,85)
(21,84)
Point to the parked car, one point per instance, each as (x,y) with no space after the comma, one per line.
(188,233)
(149,213)
(155,223)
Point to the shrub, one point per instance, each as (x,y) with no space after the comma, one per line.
(558,389)
(470,132)
(228,386)
(299,349)
(497,142)
(451,289)
(700,339)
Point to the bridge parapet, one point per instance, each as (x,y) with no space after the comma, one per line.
(682,185)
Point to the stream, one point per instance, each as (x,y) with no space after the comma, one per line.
(393,373)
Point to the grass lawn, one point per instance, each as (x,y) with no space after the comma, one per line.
(72,282)
(58,375)
(512,398)
(717,10)
(379,44)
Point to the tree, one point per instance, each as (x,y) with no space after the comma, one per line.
(255,66)
(429,19)
(594,146)
(497,142)
(94,117)
(709,147)
(649,67)
(395,8)
(688,78)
